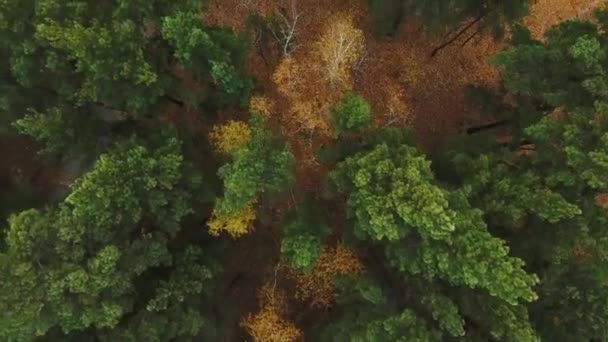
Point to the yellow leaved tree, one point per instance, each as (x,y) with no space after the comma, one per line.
(236,224)
(230,136)
(269,324)
(340,47)
(312,80)
(261,105)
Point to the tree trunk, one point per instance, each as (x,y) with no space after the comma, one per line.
(466,41)
(174,100)
(477,129)
(457,35)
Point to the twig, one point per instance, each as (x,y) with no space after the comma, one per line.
(276,271)
(471,37)
(287,28)
(457,35)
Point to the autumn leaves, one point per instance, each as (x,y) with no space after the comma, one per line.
(315,78)
(308,82)
(341,46)
(315,287)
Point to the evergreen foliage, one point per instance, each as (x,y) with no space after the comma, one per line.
(263,167)
(303,237)
(497,235)
(352,113)
(62,57)
(76,266)
(428,233)
(547,201)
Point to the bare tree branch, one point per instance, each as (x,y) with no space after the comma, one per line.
(457,35)
(287,26)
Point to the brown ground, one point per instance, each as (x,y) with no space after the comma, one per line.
(21,166)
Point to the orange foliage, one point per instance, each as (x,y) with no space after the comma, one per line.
(234,13)
(580,253)
(546,13)
(427,93)
(269,324)
(396,75)
(317,286)
(392,66)
(395,109)
(309,97)
(404,86)
(602,200)
(312,80)
(261,105)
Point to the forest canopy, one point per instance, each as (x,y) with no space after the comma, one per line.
(321,170)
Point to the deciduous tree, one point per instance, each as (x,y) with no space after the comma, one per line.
(230,136)
(237,223)
(270,323)
(317,285)
(340,46)
(263,167)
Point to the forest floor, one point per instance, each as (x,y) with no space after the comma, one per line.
(25,179)
(405,86)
